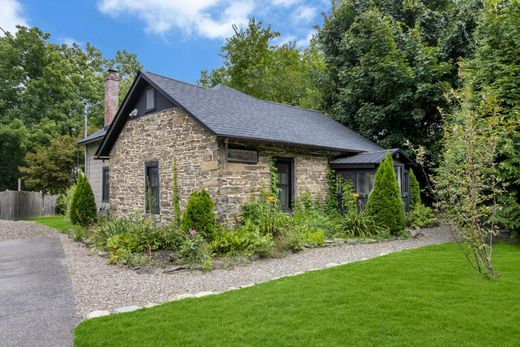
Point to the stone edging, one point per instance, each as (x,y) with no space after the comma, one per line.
(125,309)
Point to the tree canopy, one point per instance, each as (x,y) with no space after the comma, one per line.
(44,89)
(256,66)
(389,64)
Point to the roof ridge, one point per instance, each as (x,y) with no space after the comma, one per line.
(175,80)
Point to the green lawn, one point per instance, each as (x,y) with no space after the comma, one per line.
(428,296)
(56,222)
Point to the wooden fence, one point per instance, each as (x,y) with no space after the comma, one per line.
(16,205)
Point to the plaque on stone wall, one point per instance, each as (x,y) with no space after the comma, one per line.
(242,155)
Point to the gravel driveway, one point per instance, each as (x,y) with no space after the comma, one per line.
(98,286)
(36,298)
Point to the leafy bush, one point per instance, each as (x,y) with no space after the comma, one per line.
(61,205)
(83,206)
(421,217)
(362,225)
(67,199)
(295,237)
(315,238)
(196,251)
(246,241)
(199,214)
(265,213)
(136,235)
(384,203)
(415,191)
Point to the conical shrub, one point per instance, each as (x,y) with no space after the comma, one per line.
(83,206)
(199,214)
(384,202)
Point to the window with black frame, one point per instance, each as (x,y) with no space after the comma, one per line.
(152,201)
(285,170)
(105,198)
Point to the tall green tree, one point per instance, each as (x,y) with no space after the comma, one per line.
(256,66)
(49,169)
(46,86)
(495,69)
(389,64)
(13,140)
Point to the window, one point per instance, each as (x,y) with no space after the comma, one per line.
(285,169)
(150,99)
(106,186)
(399,173)
(362,181)
(152,201)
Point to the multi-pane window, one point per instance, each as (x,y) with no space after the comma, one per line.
(362,181)
(106,185)
(150,99)
(152,201)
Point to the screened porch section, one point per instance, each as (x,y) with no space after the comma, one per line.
(361,168)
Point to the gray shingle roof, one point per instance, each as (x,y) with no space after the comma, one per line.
(95,136)
(229,113)
(374,157)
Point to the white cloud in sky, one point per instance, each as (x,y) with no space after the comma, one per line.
(304,14)
(213,19)
(11,15)
(285,3)
(207,18)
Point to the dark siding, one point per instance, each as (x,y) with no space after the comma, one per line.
(161,102)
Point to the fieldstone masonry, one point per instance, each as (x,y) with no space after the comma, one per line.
(200,157)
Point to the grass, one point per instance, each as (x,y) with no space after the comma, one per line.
(423,297)
(57,222)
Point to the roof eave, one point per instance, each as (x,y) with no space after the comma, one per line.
(318,147)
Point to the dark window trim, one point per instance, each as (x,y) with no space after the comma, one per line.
(292,179)
(147,110)
(148,164)
(105,189)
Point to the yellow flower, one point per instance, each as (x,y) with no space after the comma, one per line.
(271,198)
(355,195)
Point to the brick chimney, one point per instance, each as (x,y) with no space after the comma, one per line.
(111,95)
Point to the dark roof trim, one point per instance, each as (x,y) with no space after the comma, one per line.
(94,137)
(369,159)
(175,102)
(306,145)
(87,141)
(120,119)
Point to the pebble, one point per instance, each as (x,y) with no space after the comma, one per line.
(126,309)
(99,313)
(97,285)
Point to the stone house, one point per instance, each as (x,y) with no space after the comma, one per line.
(226,142)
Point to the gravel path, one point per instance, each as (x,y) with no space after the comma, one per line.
(98,286)
(21,230)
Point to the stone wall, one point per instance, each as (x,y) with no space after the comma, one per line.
(161,137)
(241,182)
(201,163)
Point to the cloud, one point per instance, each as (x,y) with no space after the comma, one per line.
(285,3)
(207,18)
(10,15)
(304,14)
